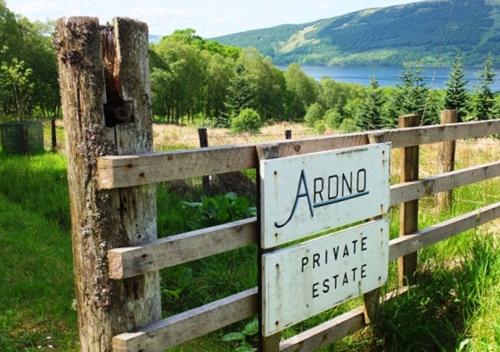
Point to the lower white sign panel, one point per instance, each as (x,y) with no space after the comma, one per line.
(309,278)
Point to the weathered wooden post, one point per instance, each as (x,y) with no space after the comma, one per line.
(106,101)
(407,265)
(266,343)
(446,161)
(372,299)
(203,136)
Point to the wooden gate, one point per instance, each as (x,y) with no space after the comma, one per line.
(104,76)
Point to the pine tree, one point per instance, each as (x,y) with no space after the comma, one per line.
(239,97)
(485,100)
(456,92)
(370,115)
(412,97)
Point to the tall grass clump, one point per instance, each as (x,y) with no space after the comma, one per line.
(447,306)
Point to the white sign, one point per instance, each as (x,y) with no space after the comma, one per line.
(309,278)
(304,194)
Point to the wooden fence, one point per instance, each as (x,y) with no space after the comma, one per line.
(106,103)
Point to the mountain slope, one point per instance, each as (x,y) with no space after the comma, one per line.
(426,31)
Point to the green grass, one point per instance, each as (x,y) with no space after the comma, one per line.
(36,282)
(455,304)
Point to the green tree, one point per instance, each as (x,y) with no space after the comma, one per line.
(333,119)
(183,79)
(248,120)
(485,100)
(302,91)
(370,114)
(219,73)
(456,89)
(314,114)
(17,86)
(239,96)
(339,96)
(28,86)
(267,84)
(411,97)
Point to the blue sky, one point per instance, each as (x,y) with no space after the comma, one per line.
(209,18)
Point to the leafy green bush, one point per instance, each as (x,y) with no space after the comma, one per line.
(349,125)
(314,113)
(220,209)
(245,339)
(320,126)
(248,120)
(333,119)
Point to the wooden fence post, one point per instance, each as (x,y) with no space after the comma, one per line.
(372,299)
(53,134)
(288,134)
(407,265)
(269,343)
(106,101)
(203,136)
(446,161)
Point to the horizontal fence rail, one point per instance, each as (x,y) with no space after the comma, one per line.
(136,170)
(169,251)
(334,329)
(192,323)
(408,191)
(173,250)
(213,316)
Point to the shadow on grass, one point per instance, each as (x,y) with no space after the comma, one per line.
(436,314)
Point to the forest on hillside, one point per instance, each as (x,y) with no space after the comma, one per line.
(428,31)
(203,82)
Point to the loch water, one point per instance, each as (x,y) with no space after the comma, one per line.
(390,75)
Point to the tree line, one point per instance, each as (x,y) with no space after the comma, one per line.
(28,68)
(195,80)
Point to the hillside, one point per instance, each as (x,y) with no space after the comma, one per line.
(424,30)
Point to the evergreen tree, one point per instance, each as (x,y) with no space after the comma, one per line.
(370,115)
(456,93)
(239,97)
(485,100)
(412,97)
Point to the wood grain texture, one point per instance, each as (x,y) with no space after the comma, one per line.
(408,214)
(134,170)
(326,333)
(446,161)
(189,325)
(371,299)
(332,330)
(199,321)
(173,250)
(408,191)
(266,343)
(98,66)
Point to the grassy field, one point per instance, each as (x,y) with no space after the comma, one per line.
(455,306)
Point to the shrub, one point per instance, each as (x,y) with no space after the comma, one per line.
(314,114)
(333,119)
(349,125)
(320,126)
(248,120)
(217,210)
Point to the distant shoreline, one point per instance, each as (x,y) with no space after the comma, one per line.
(389,76)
